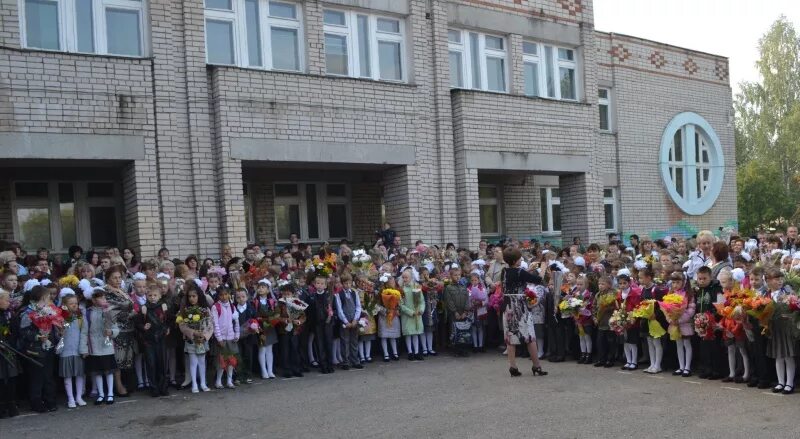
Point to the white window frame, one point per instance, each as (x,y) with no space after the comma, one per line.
(607,102)
(68,32)
(238,18)
(351,33)
(692,201)
(322,209)
(493,201)
(81,204)
(466,49)
(612,201)
(542,61)
(547,229)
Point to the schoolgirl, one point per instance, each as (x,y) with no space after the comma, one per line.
(97,346)
(70,362)
(388,320)
(412,306)
(265,307)
(479,300)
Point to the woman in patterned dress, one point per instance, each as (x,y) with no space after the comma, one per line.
(121,310)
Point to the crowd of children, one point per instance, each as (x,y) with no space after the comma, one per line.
(104,324)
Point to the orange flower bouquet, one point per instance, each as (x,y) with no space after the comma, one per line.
(391,301)
(762,308)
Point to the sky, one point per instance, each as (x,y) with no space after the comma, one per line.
(729,28)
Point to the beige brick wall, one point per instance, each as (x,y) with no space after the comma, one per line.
(187,192)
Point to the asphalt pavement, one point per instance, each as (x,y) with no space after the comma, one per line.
(443,397)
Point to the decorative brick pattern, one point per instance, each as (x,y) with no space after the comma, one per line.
(574,7)
(657,59)
(690,66)
(721,70)
(620,53)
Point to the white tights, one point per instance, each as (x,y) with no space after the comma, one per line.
(477,335)
(98,381)
(365,350)
(197,369)
(412,341)
(732,361)
(220,371)
(386,350)
(656,352)
(785,367)
(586,344)
(684,346)
(427,342)
(78,395)
(265,360)
(631,353)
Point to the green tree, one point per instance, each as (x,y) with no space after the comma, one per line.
(767,131)
(753,180)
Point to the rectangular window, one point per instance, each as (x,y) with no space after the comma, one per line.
(365,46)
(549,71)
(41,24)
(610,209)
(550,210)
(315,211)
(531,61)
(106,27)
(489,209)
(84,17)
(56,215)
(604,105)
(219,37)
(477,61)
(124,31)
(254,33)
(336,54)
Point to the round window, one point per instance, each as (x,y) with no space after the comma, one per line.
(691,161)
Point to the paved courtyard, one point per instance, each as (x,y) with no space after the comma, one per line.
(443,397)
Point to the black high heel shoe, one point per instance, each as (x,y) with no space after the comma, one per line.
(538,371)
(514,371)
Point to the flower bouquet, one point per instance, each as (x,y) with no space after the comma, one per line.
(323,267)
(496,300)
(361,260)
(620,321)
(267,317)
(704,324)
(673,305)
(570,307)
(363,325)
(294,310)
(45,319)
(391,300)
(531,297)
(762,309)
(606,301)
(647,311)
(197,319)
(68,281)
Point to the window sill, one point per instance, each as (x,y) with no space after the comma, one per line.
(538,98)
(608,132)
(34,50)
(302,73)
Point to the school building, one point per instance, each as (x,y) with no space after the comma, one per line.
(192,124)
